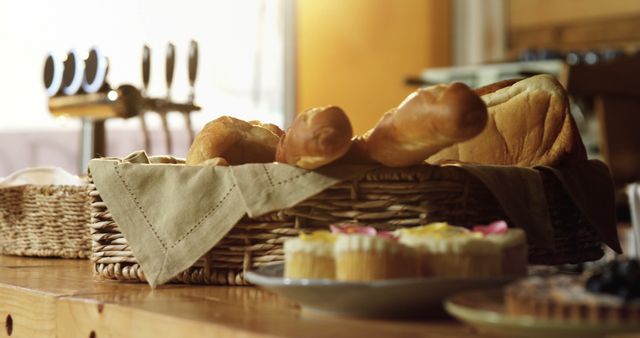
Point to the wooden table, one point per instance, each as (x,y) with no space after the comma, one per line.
(58,298)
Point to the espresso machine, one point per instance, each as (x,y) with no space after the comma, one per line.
(77,87)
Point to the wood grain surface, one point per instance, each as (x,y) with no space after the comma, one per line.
(59,298)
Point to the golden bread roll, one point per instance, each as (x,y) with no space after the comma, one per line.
(270,126)
(317,136)
(234,141)
(427,121)
(357,153)
(529,124)
(215,162)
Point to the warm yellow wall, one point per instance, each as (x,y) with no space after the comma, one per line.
(356,53)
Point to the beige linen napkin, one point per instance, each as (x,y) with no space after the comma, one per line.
(172,214)
(274,186)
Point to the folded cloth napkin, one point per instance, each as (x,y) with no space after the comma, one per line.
(633,191)
(591,188)
(41,176)
(172,214)
(520,192)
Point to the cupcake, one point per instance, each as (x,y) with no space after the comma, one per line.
(512,243)
(310,256)
(451,251)
(364,254)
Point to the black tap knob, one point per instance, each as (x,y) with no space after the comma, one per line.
(73,73)
(52,74)
(96,67)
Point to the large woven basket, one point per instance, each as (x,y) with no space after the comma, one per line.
(45,221)
(385,198)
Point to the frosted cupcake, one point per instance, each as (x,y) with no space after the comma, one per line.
(363,254)
(310,256)
(451,251)
(512,244)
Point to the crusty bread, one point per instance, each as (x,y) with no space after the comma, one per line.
(270,126)
(490,88)
(316,137)
(529,124)
(427,121)
(234,141)
(216,161)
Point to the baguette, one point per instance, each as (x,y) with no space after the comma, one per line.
(427,121)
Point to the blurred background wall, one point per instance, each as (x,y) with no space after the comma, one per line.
(572,24)
(268,59)
(357,53)
(241,68)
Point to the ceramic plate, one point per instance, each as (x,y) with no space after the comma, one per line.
(392,297)
(485,310)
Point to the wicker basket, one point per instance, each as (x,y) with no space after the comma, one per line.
(385,198)
(45,221)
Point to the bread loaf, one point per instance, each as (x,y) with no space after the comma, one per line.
(529,124)
(215,162)
(270,126)
(234,141)
(495,86)
(427,121)
(317,136)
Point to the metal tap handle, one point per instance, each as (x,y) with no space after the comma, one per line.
(170,64)
(170,59)
(193,72)
(193,66)
(146,67)
(146,73)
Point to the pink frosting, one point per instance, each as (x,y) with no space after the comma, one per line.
(387,234)
(351,228)
(493,228)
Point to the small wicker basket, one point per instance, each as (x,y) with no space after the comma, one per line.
(45,221)
(385,198)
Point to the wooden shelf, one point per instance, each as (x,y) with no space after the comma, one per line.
(59,298)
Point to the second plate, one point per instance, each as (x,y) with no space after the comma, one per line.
(485,310)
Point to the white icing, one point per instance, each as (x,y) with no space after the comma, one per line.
(318,248)
(357,242)
(511,238)
(457,245)
(451,239)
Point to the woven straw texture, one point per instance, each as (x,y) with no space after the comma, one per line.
(45,221)
(385,198)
